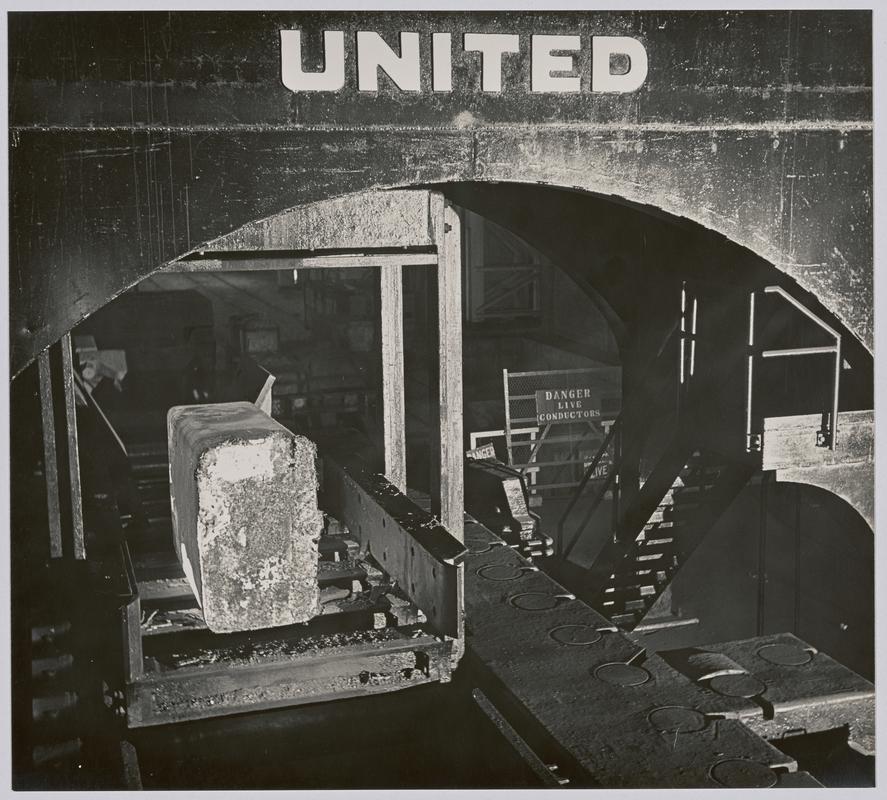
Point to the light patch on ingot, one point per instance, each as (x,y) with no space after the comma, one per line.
(236,461)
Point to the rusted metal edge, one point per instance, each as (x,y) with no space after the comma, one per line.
(332,656)
(282,684)
(406,541)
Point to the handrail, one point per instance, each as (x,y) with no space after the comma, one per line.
(97,409)
(792,351)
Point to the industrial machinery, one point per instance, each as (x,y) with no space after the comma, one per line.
(496,496)
(416,594)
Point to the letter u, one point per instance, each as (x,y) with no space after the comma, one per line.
(331,79)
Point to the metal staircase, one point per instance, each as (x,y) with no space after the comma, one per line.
(640,571)
(655,527)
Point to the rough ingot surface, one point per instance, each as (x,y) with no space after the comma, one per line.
(245,516)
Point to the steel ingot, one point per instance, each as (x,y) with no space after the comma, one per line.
(576,635)
(676,719)
(746,686)
(619,674)
(537,601)
(738,773)
(786,655)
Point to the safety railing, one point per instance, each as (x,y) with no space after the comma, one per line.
(827,437)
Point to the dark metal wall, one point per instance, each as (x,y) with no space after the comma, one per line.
(137,137)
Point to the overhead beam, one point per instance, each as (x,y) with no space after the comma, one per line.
(224,261)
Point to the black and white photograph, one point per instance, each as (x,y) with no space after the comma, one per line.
(479,397)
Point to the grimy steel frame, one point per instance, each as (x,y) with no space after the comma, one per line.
(425,561)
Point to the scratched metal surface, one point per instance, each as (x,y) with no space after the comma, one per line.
(801,689)
(614,732)
(137,137)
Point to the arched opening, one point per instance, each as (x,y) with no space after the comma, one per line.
(561,290)
(651,311)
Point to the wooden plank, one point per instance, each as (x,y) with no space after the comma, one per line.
(50,465)
(447,235)
(393,413)
(73,448)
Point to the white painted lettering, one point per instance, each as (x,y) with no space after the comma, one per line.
(602,80)
(544,63)
(373,54)
(553,62)
(441,62)
(492,46)
(331,79)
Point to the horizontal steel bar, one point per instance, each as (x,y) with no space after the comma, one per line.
(550,439)
(364,260)
(562,463)
(266,261)
(571,485)
(509,268)
(800,351)
(560,372)
(404,539)
(602,418)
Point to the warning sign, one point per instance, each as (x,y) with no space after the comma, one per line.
(567,405)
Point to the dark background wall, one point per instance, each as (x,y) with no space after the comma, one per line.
(137,137)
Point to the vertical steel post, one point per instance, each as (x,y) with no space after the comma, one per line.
(835,395)
(749,371)
(797,615)
(762,556)
(50,465)
(73,449)
(448,238)
(507,418)
(393,414)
